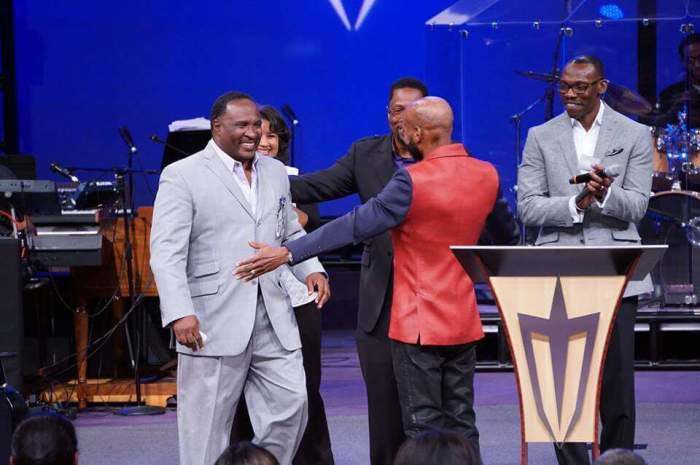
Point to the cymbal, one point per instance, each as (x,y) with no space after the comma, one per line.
(547,77)
(627,101)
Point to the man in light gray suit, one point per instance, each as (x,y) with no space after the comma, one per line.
(591,136)
(232,337)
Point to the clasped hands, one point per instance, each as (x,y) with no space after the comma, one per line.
(595,189)
(270,258)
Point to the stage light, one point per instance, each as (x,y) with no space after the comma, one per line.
(611,11)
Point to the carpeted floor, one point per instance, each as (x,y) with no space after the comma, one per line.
(668,420)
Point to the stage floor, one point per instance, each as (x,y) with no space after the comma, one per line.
(668,419)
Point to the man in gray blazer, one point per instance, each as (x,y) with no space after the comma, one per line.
(591,136)
(232,337)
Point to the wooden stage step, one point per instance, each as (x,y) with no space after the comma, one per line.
(108,390)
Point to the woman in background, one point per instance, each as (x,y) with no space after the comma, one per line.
(315,447)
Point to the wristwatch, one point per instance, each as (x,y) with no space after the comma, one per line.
(290,258)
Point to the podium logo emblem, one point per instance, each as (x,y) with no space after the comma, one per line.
(361,16)
(558,329)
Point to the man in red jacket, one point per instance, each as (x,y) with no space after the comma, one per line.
(443,200)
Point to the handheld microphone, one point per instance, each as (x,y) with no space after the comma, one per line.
(289,113)
(63,172)
(158,140)
(612,171)
(126,137)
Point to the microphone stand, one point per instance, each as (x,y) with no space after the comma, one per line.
(547,97)
(125,199)
(517,120)
(158,140)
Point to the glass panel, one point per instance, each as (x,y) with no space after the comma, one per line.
(499,64)
(485,12)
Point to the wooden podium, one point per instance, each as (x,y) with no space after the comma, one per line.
(557,305)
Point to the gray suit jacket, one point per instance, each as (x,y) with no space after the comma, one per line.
(550,159)
(201,227)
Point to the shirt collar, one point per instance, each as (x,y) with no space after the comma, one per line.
(449,150)
(598,118)
(401,160)
(231,164)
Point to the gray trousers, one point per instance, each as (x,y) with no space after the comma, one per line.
(273,382)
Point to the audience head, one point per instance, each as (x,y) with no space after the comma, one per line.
(44,440)
(236,125)
(620,457)
(437,447)
(246,453)
(425,125)
(276,135)
(402,92)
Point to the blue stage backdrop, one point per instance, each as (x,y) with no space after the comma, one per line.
(84,68)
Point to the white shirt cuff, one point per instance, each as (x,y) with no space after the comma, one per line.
(605,200)
(575,214)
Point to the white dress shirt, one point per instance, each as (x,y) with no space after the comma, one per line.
(250,189)
(585,143)
(296,290)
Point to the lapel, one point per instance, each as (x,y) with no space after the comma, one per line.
(216,166)
(384,163)
(566,142)
(263,182)
(608,128)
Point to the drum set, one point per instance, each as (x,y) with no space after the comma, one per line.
(673,214)
(676,159)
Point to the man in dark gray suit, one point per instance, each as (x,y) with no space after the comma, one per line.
(364,170)
(591,136)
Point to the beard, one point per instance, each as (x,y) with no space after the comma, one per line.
(414,150)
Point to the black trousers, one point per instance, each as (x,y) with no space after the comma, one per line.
(436,388)
(315,447)
(617,405)
(383,409)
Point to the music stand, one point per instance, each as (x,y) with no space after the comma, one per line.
(187,141)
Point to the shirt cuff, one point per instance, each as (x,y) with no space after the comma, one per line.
(605,200)
(576,215)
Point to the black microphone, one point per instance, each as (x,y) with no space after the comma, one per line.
(126,137)
(612,171)
(157,139)
(289,113)
(63,172)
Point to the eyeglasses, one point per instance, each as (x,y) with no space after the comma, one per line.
(395,110)
(578,87)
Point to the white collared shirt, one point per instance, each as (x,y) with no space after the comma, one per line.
(249,189)
(585,143)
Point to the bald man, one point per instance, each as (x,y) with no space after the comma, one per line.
(446,198)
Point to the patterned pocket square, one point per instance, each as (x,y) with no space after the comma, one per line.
(281,218)
(614,152)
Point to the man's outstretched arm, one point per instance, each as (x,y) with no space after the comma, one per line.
(381,213)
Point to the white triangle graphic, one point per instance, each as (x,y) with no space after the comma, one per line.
(343,15)
(340,11)
(364,11)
